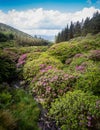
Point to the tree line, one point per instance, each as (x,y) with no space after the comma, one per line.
(89,25)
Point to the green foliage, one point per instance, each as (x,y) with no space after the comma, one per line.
(33,67)
(7,121)
(7,68)
(18,110)
(95,55)
(5,99)
(25,110)
(90,80)
(76,111)
(66,50)
(32,49)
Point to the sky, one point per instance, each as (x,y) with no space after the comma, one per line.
(45,17)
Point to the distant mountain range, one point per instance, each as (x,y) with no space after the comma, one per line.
(50,38)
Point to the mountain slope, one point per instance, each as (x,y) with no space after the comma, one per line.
(8,33)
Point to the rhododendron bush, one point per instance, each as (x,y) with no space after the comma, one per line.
(76,111)
(51,83)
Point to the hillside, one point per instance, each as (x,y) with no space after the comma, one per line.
(11,36)
(64,78)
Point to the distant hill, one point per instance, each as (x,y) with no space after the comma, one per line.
(16,37)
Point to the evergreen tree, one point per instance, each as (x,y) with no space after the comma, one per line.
(71,31)
(66,33)
(86,26)
(95,23)
(77,29)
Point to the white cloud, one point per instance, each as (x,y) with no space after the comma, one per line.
(43,22)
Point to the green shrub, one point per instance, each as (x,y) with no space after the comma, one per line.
(7,68)
(76,111)
(51,83)
(77,64)
(95,55)
(90,81)
(25,110)
(33,67)
(87,72)
(66,50)
(33,56)
(33,49)
(17,110)
(5,99)
(7,120)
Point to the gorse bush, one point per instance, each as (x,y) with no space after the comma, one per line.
(76,111)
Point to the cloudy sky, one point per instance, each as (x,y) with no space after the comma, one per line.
(45,17)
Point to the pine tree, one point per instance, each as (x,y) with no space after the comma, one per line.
(71,31)
(95,23)
(86,26)
(77,29)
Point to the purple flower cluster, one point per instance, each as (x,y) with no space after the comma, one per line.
(95,55)
(98,104)
(44,68)
(21,60)
(78,55)
(80,68)
(52,83)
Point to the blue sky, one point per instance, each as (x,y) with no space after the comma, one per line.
(61,5)
(45,17)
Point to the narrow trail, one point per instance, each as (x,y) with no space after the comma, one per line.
(44,122)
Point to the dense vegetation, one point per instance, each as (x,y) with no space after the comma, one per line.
(64,78)
(80,28)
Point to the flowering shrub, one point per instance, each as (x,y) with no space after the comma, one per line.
(90,80)
(69,49)
(33,56)
(95,55)
(21,60)
(80,68)
(51,83)
(78,55)
(76,111)
(33,67)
